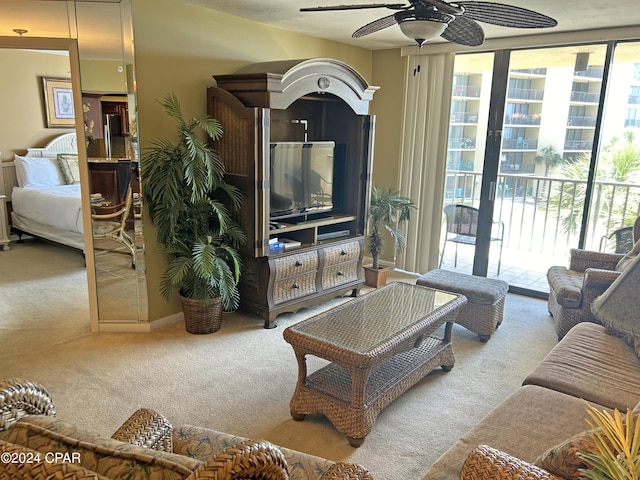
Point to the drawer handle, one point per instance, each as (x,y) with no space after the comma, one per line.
(343,253)
(298,263)
(295,285)
(340,274)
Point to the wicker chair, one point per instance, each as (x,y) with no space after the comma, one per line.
(246,459)
(571,290)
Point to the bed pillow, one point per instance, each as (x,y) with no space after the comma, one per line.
(68,163)
(38,172)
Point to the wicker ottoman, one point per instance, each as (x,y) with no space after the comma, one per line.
(485,299)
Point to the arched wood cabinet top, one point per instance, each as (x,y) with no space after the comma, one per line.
(278,84)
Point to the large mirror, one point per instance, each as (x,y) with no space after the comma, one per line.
(31,32)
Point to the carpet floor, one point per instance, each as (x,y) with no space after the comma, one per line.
(241,378)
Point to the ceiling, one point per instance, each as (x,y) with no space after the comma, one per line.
(571,15)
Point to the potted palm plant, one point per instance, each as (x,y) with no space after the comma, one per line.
(187,198)
(387,211)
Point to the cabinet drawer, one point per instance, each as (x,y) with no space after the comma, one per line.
(345,252)
(339,274)
(293,265)
(295,287)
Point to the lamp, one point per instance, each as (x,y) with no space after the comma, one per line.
(422,30)
(422,26)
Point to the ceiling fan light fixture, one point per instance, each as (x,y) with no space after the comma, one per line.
(422,30)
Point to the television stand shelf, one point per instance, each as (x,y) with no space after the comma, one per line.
(313,232)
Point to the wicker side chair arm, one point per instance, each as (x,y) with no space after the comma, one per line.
(146,428)
(486,463)
(580,260)
(598,278)
(248,460)
(21,397)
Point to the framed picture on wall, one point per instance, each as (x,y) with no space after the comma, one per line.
(58,102)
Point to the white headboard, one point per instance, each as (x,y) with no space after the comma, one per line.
(66,143)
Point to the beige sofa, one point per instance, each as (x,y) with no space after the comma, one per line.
(587,365)
(34,444)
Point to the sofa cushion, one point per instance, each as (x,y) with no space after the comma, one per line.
(590,364)
(478,290)
(105,456)
(617,307)
(567,286)
(524,425)
(201,443)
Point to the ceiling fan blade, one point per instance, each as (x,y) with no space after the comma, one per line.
(464,31)
(375,26)
(505,15)
(393,6)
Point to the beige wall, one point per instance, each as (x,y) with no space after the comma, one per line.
(388,73)
(22,123)
(178,47)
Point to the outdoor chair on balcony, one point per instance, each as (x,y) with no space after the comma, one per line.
(590,273)
(462,228)
(623,237)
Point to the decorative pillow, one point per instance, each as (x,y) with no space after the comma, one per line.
(105,456)
(68,163)
(628,258)
(617,307)
(563,460)
(38,172)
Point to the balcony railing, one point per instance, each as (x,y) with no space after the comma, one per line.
(591,72)
(585,97)
(578,145)
(466,91)
(574,121)
(462,142)
(521,119)
(528,206)
(519,144)
(525,94)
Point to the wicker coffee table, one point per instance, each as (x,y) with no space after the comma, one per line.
(379,346)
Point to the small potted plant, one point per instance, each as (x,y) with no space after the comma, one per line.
(187,198)
(387,211)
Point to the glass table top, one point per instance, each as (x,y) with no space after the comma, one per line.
(375,317)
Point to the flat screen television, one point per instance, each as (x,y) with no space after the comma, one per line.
(302,178)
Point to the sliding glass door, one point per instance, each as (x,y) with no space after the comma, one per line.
(534,146)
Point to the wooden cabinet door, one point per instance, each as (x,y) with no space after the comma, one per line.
(244,150)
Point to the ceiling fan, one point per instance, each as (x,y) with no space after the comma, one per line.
(456,22)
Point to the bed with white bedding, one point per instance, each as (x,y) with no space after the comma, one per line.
(46,202)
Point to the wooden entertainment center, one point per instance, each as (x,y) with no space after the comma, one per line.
(297,101)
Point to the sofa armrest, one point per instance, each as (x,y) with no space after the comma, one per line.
(486,463)
(244,460)
(346,471)
(146,428)
(580,260)
(21,397)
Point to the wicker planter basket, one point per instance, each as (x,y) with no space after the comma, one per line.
(201,319)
